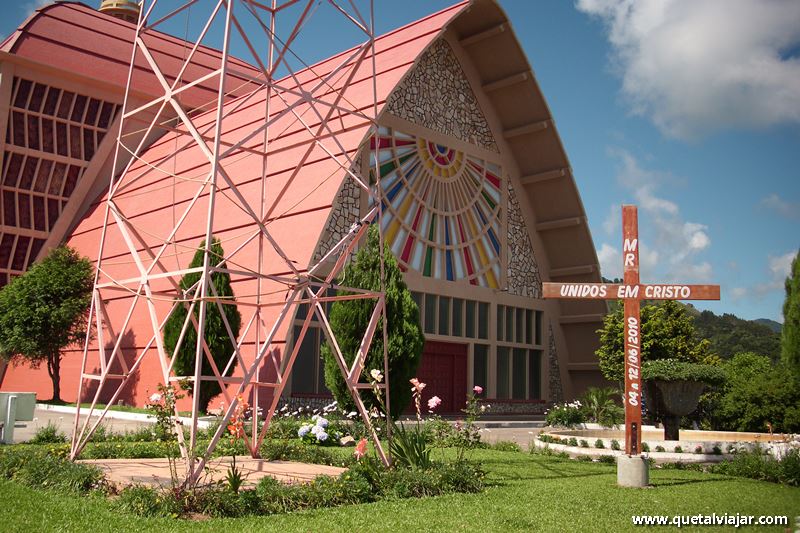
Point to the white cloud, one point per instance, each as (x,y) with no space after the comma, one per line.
(30,7)
(696,66)
(671,250)
(777,268)
(780,266)
(784,208)
(610,261)
(612,222)
(738,293)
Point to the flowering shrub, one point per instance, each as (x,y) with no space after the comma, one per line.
(468,434)
(162,405)
(409,447)
(234,477)
(566,415)
(318,432)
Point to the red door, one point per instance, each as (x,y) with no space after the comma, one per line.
(444,369)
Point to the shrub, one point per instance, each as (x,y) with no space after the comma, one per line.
(36,468)
(716,450)
(584,443)
(756,464)
(678,449)
(318,432)
(283,427)
(218,501)
(607,459)
(573,441)
(758,396)
(599,443)
(584,458)
(660,449)
(439,432)
(645,447)
(48,434)
(676,370)
(615,444)
(506,446)
(284,450)
(698,449)
(409,448)
(599,405)
(566,415)
(147,501)
(683,466)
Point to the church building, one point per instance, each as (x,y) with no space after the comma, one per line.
(480,204)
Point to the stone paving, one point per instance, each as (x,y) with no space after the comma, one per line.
(154,472)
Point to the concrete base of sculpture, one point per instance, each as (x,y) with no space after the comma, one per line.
(633,471)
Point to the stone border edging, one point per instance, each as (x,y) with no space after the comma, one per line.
(657,457)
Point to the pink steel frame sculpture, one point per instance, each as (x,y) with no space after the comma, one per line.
(309,287)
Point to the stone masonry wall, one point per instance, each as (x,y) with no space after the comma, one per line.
(556,389)
(523,272)
(437,95)
(345,212)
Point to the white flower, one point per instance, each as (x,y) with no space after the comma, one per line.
(321,436)
(303,431)
(314,418)
(317,429)
(155,398)
(352,414)
(376,375)
(322,422)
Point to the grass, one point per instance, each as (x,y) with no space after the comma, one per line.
(526,493)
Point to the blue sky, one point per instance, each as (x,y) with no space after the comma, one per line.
(688,108)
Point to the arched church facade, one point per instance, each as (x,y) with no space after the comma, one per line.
(479,200)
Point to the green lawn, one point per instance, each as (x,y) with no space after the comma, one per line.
(526,493)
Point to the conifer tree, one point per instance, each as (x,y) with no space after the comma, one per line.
(790,334)
(349,321)
(216,335)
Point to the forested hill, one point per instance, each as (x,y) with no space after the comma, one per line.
(730,335)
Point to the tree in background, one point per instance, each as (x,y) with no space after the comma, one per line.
(757,396)
(45,310)
(667,333)
(349,321)
(790,335)
(216,335)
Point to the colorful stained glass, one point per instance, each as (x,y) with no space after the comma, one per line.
(442,208)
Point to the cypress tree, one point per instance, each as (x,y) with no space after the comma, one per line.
(349,320)
(790,334)
(216,335)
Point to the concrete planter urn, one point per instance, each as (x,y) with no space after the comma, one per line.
(670,400)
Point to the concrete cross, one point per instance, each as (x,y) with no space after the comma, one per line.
(631,292)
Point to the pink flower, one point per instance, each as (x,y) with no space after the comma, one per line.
(477,389)
(434,402)
(361,449)
(418,385)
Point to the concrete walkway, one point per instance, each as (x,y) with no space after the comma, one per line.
(25,431)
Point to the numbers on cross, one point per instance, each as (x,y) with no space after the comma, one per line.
(631,292)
